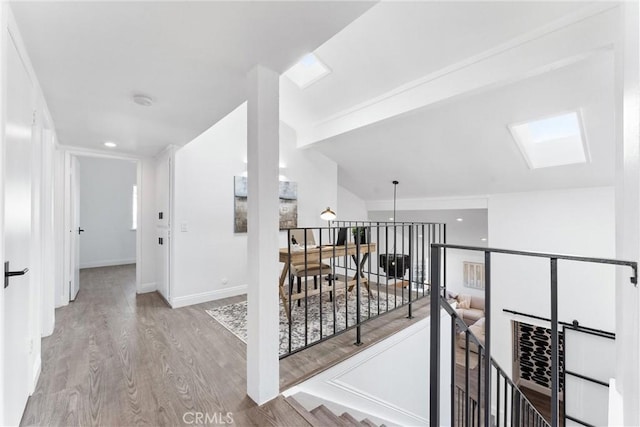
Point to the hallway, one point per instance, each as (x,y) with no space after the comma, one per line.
(120,359)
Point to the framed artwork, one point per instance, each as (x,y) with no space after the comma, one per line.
(288,195)
(473,275)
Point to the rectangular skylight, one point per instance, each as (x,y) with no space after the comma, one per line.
(552,141)
(307,71)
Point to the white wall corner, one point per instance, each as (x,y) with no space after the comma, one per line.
(144,288)
(217,294)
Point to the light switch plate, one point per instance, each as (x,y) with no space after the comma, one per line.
(184,227)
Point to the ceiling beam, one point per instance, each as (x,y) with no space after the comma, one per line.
(558,44)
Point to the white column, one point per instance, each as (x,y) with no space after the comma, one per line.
(263,140)
(628,209)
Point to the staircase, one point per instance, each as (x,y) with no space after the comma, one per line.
(322,416)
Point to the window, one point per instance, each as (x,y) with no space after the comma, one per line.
(552,141)
(307,71)
(134,208)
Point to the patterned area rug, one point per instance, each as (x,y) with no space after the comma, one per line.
(234,316)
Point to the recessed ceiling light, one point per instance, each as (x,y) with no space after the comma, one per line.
(307,71)
(390,218)
(553,141)
(459,219)
(484,239)
(110,144)
(143,100)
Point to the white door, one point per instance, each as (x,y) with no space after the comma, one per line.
(76,230)
(17,235)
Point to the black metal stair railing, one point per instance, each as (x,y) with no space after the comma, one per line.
(337,278)
(494,390)
(510,406)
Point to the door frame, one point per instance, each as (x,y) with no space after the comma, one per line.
(66,245)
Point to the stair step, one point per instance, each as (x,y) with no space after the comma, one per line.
(326,417)
(349,420)
(368,423)
(308,416)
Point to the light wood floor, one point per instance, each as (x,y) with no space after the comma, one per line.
(117,358)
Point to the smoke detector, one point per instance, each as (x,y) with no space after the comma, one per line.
(143,100)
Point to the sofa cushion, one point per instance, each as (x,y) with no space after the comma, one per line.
(472,315)
(464,301)
(477,302)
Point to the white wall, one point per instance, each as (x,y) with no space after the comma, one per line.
(106,212)
(350,207)
(210,260)
(374,384)
(579,222)
(455,271)
(627,113)
(146,271)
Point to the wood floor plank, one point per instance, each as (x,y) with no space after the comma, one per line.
(117,358)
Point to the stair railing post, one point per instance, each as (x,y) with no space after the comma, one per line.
(554,342)
(358,329)
(434,376)
(487,338)
(411,278)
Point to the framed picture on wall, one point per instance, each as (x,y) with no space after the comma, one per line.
(288,194)
(473,275)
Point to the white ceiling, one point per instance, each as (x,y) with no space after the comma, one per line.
(463,147)
(421,92)
(190,57)
(397,42)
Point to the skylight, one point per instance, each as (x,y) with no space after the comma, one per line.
(307,71)
(552,141)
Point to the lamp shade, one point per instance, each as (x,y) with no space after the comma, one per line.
(328,214)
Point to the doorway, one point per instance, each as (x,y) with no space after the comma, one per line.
(102,215)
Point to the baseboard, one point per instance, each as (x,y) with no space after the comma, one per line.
(37,366)
(177,302)
(143,288)
(107,263)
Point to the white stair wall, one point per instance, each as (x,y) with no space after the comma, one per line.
(387,382)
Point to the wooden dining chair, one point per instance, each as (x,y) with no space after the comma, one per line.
(313,269)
